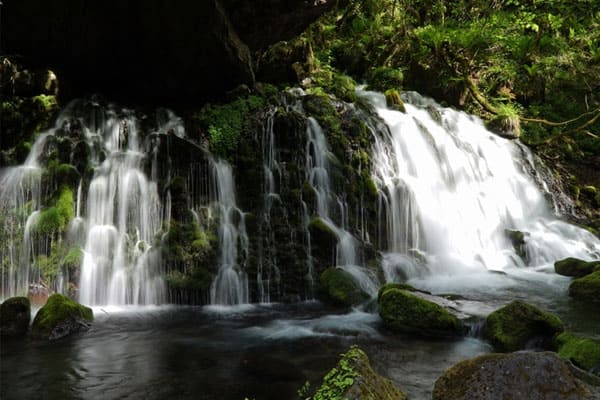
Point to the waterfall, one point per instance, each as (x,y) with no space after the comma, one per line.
(231,283)
(123,215)
(451,190)
(317,174)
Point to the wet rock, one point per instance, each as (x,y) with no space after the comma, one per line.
(521,375)
(586,288)
(15,315)
(575,267)
(517,238)
(581,351)
(61,317)
(338,287)
(402,311)
(353,378)
(517,324)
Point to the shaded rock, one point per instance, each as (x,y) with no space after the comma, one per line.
(575,267)
(522,375)
(338,287)
(586,288)
(15,315)
(402,311)
(517,238)
(513,326)
(60,317)
(353,378)
(581,351)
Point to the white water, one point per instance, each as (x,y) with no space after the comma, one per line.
(230,286)
(123,215)
(449,190)
(317,174)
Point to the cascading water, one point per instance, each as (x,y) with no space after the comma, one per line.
(450,192)
(230,286)
(317,174)
(123,215)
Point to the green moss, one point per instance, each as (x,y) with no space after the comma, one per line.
(58,309)
(575,267)
(56,218)
(583,352)
(586,288)
(340,378)
(402,311)
(394,285)
(47,103)
(512,326)
(393,100)
(199,279)
(385,78)
(339,288)
(317,224)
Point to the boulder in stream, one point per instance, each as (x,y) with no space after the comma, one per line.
(61,317)
(586,288)
(576,267)
(517,324)
(338,287)
(15,315)
(353,378)
(520,375)
(402,311)
(581,351)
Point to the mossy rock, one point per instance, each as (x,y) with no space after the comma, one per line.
(520,375)
(338,287)
(393,100)
(586,288)
(517,238)
(353,378)
(575,267)
(581,351)
(513,326)
(61,317)
(384,78)
(402,311)
(15,315)
(395,285)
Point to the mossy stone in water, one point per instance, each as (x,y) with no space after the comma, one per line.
(581,351)
(575,267)
(15,314)
(511,327)
(339,288)
(402,311)
(60,317)
(353,378)
(586,288)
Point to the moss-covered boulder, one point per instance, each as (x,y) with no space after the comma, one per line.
(338,287)
(353,378)
(393,100)
(513,326)
(521,375)
(586,288)
(581,351)
(15,315)
(60,317)
(575,267)
(402,311)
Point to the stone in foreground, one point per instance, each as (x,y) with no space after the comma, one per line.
(61,317)
(15,315)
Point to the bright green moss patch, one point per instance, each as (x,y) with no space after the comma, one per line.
(512,326)
(402,311)
(583,352)
(55,219)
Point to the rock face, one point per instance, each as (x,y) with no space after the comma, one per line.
(402,311)
(522,375)
(575,267)
(513,326)
(61,317)
(586,288)
(583,352)
(150,50)
(354,379)
(15,315)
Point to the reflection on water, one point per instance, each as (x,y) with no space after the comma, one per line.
(254,351)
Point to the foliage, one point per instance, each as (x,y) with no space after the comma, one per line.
(55,219)
(340,378)
(225,122)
